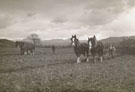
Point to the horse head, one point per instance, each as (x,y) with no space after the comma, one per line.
(74,40)
(19,44)
(92,42)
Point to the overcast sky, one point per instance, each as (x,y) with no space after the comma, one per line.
(55,19)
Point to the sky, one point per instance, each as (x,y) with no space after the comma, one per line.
(60,19)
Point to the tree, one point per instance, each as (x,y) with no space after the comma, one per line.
(34,38)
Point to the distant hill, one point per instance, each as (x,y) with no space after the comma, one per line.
(6,43)
(61,42)
(117,39)
(58,42)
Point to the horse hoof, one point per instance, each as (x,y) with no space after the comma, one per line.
(78,62)
(87,60)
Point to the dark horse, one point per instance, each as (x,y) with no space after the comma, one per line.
(25,47)
(96,47)
(79,48)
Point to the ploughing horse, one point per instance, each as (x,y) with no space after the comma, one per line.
(25,47)
(80,48)
(112,50)
(96,48)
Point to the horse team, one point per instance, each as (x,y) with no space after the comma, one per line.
(25,47)
(84,48)
(91,46)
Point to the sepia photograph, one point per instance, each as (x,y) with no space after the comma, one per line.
(67,45)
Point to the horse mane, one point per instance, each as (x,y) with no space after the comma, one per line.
(78,42)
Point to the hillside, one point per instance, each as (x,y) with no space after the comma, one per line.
(58,42)
(61,42)
(6,43)
(117,39)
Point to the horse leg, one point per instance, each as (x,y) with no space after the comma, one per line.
(21,50)
(78,59)
(32,52)
(87,60)
(113,55)
(25,52)
(94,58)
(94,54)
(100,56)
(103,56)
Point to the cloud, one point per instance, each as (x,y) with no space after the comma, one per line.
(101,12)
(103,4)
(131,3)
(123,25)
(30,14)
(5,21)
(61,18)
(97,17)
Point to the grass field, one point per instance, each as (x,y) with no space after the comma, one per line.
(59,72)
